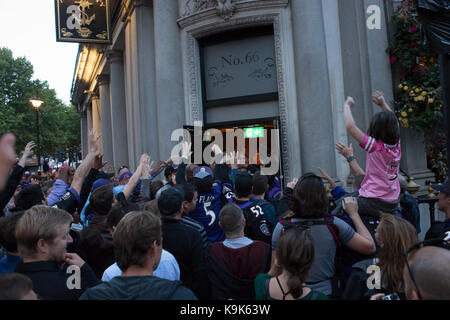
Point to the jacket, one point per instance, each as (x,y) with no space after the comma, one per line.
(139,288)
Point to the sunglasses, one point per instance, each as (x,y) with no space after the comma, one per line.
(431,242)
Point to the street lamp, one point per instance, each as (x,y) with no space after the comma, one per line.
(37,102)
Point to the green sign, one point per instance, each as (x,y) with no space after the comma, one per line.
(255,132)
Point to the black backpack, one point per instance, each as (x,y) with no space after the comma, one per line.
(339,278)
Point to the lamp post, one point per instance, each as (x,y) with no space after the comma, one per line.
(37,102)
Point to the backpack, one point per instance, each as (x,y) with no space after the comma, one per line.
(339,278)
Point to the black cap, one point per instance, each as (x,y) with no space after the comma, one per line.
(170,201)
(444,187)
(169,170)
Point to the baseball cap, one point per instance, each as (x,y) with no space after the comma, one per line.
(444,187)
(202,172)
(169,170)
(125,175)
(99,183)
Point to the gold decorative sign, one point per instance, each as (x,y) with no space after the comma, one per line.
(84,21)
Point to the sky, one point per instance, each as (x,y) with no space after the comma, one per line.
(27,27)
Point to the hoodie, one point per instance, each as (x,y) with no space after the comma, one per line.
(139,288)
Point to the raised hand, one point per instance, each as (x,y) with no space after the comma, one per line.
(28,151)
(350,205)
(378,98)
(292,184)
(343,150)
(93,141)
(160,164)
(350,102)
(98,162)
(186,150)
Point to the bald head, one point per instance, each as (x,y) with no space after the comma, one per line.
(431,270)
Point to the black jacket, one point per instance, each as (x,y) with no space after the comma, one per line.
(139,288)
(10,187)
(50,282)
(185,243)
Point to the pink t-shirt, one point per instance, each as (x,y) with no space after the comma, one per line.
(382,166)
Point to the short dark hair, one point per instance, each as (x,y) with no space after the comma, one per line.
(230,218)
(13,286)
(189,190)
(170,201)
(384,127)
(243,184)
(309,199)
(29,197)
(134,236)
(260,183)
(101,200)
(7,229)
(115,215)
(155,185)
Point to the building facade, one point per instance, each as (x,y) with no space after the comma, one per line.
(284,64)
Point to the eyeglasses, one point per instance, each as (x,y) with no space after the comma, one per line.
(431,242)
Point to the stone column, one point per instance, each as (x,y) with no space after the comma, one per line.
(118,109)
(96,121)
(89,122)
(169,82)
(84,134)
(318,69)
(105,112)
(139,67)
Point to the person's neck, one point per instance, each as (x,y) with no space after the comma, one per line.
(135,271)
(240,235)
(283,280)
(37,258)
(242,198)
(261,196)
(15,254)
(447,213)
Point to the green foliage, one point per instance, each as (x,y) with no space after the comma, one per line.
(418,99)
(58,123)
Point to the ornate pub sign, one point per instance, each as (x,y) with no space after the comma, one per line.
(83,21)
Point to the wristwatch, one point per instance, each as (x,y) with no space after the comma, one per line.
(351,158)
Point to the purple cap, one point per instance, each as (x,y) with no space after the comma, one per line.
(125,175)
(202,172)
(100,183)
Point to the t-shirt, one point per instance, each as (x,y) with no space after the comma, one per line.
(322,269)
(260,282)
(257,226)
(382,167)
(167,269)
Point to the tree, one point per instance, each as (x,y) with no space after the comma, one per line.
(58,123)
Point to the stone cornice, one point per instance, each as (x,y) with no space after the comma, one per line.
(192,17)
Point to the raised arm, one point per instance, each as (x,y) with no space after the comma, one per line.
(362,241)
(378,99)
(136,176)
(27,152)
(348,154)
(350,122)
(87,163)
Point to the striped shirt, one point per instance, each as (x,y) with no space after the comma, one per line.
(191,222)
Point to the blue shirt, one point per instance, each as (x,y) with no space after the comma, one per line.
(8,263)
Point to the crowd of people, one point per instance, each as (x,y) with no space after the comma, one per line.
(173,230)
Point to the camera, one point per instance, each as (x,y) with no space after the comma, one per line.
(393,296)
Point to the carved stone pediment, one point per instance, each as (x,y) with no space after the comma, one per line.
(224,8)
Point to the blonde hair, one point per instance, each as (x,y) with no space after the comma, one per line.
(397,235)
(39,222)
